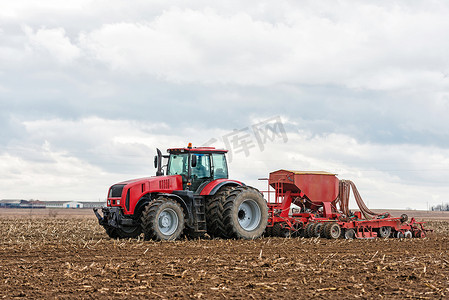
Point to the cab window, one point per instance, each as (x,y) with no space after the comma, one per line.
(202,169)
(178,164)
(220,166)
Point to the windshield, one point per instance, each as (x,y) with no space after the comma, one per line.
(178,164)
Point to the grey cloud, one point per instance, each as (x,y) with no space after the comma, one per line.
(116,82)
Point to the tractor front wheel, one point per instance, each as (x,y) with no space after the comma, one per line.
(163,220)
(124,233)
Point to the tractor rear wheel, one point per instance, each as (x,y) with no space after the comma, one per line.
(245,213)
(163,220)
(214,216)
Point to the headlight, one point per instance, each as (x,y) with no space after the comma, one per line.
(109,202)
(118,202)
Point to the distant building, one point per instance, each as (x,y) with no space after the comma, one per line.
(10,203)
(55,204)
(63,204)
(73,204)
(34,204)
(93,204)
(20,203)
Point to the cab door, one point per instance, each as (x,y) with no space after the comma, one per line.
(202,171)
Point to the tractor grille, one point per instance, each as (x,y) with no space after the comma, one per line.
(164,184)
(116,191)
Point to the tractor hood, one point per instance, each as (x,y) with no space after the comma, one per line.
(142,186)
(137,180)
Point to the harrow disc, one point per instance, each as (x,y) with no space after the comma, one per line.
(408,234)
(419,234)
(349,234)
(399,235)
(384,231)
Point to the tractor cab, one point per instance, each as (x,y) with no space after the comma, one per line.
(197,166)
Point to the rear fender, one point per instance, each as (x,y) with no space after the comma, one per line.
(213,187)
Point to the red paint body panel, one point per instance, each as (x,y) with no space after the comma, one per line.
(199,149)
(137,188)
(208,188)
(317,186)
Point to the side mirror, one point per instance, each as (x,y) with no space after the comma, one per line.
(194,161)
(155,161)
(158,163)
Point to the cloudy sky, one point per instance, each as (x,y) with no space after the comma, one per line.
(89,89)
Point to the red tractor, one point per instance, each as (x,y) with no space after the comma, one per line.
(191,195)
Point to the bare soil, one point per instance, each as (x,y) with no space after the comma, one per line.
(70,256)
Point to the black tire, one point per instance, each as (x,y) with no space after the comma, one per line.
(404,218)
(125,233)
(333,231)
(350,234)
(245,214)
(286,233)
(324,230)
(214,212)
(315,230)
(268,231)
(163,220)
(111,232)
(277,230)
(308,230)
(384,231)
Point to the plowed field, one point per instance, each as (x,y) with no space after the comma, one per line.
(59,257)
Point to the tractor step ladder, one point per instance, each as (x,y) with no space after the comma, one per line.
(200,213)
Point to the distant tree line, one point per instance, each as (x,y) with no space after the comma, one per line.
(440,207)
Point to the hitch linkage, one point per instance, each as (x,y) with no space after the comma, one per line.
(101,220)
